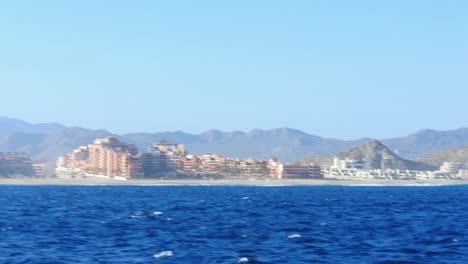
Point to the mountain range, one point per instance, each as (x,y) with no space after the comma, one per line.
(48,141)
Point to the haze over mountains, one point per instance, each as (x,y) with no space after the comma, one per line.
(48,141)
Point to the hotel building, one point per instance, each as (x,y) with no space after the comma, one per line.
(107,156)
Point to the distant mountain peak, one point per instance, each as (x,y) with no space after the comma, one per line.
(374,143)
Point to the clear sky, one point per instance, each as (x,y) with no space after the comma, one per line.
(345,69)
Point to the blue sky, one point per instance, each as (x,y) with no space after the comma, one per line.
(345,69)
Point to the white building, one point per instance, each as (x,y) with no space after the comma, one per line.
(452,167)
(349,164)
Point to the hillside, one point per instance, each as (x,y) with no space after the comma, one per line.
(322,161)
(50,146)
(458,155)
(378,156)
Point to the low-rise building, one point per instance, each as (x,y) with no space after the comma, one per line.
(349,164)
(15,164)
(452,167)
(43,168)
(303,171)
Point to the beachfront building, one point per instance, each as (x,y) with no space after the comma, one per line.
(111,157)
(212,164)
(274,169)
(302,171)
(349,164)
(77,159)
(251,168)
(463,174)
(452,167)
(43,168)
(107,157)
(231,167)
(189,165)
(163,158)
(15,164)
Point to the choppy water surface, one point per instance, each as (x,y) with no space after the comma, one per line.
(213,224)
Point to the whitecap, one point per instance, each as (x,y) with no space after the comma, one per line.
(245,198)
(243,260)
(137,214)
(157,213)
(294,236)
(324,224)
(164,254)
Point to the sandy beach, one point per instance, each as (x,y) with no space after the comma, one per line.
(224,182)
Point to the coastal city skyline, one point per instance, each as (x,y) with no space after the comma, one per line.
(111,158)
(336,70)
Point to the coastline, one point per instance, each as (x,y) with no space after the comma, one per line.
(224,182)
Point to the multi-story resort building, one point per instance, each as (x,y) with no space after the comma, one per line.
(163,158)
(189,165)
(212,164)
(107,156)
(253,168)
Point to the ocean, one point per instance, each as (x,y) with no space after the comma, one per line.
(233,224)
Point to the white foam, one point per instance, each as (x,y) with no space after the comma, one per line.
(243,260)
(164,254)
(137,214)
(245,198)
(294,236)
(158,213)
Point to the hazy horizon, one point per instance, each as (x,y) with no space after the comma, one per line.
(347,70)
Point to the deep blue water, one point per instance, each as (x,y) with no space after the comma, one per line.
(215,224)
